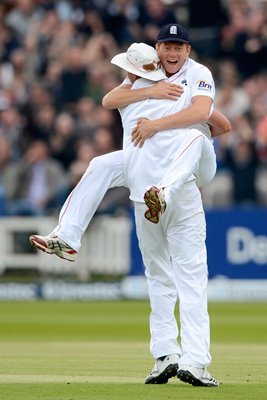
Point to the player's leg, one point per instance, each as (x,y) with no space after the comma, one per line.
(207,164)
(103,173)
(163,296)
(186,236)
(195,158)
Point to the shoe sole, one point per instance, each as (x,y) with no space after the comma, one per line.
(187,377)
(41,245)
(169,372)
(154,205)
(154,218)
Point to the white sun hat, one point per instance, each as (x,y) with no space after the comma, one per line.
(141,60)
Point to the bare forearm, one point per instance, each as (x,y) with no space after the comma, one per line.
(196,113)
(217,131)
(122,96)
(183,119)
(219,124)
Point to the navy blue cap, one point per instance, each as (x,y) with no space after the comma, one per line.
(173,33)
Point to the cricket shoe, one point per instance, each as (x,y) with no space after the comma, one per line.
(155,201)
(54,245)
(196,376)
(163,370)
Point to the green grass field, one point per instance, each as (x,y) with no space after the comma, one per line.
(100,350)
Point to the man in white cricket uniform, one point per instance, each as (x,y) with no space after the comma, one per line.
(173,251)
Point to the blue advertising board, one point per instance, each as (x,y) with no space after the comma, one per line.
(237,243)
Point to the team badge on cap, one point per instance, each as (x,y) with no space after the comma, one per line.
(173,30)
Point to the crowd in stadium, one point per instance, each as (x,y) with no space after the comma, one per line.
(55,68)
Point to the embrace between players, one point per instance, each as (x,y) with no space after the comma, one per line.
(167,155)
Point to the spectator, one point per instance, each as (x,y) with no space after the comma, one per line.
(103,140)
(244,38)
(100,78)
(250,48)
(52,82)
(33,181)
(236,12)
(8,43)
(44,122)
(152,15)
(41,42)
(242,161)
(73,77)
(92,24)
(18,79)
(85,153)
(22,17)
(231,97)
(119,19)
(11,127)
(63,140)
(110,119)
(205,24)
(37,98)
(85,116)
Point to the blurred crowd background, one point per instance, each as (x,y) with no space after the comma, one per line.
(55,68)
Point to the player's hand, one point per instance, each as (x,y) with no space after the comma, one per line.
(144,129)
(166,90)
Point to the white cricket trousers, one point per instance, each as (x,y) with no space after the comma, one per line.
(104,172)
(195,156)
(174,255)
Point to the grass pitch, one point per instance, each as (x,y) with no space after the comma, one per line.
(100,350)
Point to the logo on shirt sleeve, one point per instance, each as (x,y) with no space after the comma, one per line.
(204,85)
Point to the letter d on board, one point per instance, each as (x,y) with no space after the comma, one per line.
(238,241)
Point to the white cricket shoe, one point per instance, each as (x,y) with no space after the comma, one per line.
(54,245)
(196,376)
(163,370)
(155,201)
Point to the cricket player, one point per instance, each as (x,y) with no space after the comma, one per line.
(173,250)
(184,236)
(160,374)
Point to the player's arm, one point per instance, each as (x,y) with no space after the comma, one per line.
(219,124)
(122,95)
(198,112)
